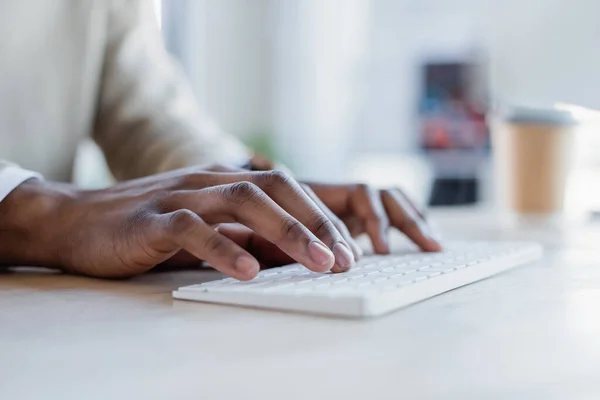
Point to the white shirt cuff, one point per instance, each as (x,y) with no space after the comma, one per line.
(13,176)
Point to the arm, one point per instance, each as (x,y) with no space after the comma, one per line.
(25,204)
(148,120)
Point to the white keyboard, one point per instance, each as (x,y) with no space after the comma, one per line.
(375,286)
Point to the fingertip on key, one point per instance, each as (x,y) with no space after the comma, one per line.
(344,258)
(247,266)
(383,247)
(321,256)
(433,246)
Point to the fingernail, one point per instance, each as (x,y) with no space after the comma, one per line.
(343,256)
(247,265)
(320,254)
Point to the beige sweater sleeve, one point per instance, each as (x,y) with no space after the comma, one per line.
(148,120)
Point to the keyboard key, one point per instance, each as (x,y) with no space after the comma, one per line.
(418,278)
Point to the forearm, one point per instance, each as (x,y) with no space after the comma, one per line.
(29,217)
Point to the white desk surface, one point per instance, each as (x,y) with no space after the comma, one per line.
(527,334)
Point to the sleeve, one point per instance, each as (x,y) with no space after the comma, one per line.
(148,120)
(12,176)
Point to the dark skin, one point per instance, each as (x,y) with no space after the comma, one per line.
(237,221)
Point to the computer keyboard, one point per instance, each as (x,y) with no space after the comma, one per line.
(375,286)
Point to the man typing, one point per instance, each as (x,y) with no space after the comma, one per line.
(187,191)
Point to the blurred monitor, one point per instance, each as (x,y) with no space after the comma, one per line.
(452,117)
(453,130)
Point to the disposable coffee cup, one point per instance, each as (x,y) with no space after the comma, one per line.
(533,152)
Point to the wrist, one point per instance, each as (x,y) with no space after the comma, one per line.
(29,223)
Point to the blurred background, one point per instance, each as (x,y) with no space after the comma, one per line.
(389,92)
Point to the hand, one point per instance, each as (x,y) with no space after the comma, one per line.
(364,209)
(132,227)
(357,208)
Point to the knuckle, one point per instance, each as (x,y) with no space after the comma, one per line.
(278,176)
(215,244)
(182,221)
(161,202)
(275,178)
(242,192)
(138,219)
(409,224)
(324,226)
(292,230)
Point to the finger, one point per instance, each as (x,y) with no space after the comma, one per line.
(354,224)
(339,225)
(288,194)
(291,196)
(245,203)
(337,196)
(260,163)
(430,230)
(405,219)
(190,233)
(367,205)
(267,254)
